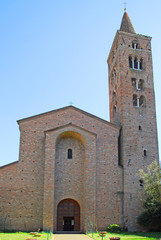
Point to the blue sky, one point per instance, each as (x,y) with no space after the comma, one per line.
(54,52)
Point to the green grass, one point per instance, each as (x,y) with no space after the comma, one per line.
(23,236)
(128,236)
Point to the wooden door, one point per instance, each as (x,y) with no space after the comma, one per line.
(68,215)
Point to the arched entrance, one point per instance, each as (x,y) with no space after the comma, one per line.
(68,215)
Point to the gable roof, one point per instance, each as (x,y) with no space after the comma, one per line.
(65,108)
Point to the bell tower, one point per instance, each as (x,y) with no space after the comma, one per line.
(132,107)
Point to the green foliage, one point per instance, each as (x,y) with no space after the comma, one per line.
(151,181)
(114,228)
(151,215)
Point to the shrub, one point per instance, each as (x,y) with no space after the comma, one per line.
(114,228)
(151,216)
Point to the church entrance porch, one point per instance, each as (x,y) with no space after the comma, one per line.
(68,215)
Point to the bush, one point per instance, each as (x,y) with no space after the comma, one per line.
(151,216)
(114,228)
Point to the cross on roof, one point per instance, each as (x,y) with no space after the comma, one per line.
(125,3)
(71,103)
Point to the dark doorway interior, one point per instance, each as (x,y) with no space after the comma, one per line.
(68,224)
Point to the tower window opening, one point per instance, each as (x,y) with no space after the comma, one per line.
(145,152)
(140,128)
(130,62)
(135,45)
(115,108)
(69,153)
(141,64)
(114,92)
(140,84)
(139,102)
(142,102)
(136,63)
(141,182)
(135,100)
(133,80)
(115,73)
(137,85)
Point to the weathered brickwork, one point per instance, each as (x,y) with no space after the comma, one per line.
(101,184)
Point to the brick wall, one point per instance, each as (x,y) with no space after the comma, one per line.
(46,177)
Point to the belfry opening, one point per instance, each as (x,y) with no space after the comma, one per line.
(68,215)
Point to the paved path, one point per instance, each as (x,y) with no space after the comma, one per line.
(71,237)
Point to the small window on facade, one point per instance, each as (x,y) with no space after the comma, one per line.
(145,153)
(140,128)
(141,64)
(69,153)
(114,92)
(142,102)
(115,108)
(135,63)
(141,182)
(130,62)
(115,72)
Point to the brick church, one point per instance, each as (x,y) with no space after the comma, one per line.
(77,171)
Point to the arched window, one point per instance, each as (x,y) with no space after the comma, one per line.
(115,73)
(133,81)
(142,101)
(136,63)
(135,45)
(115,108)
(130,61)
(140,84)
(135,100)
(145,152)
(141,64)
(69,153)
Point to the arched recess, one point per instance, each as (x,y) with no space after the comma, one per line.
(68,215)
(69,177)
(71,134)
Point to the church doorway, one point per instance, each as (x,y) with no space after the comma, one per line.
(68,215)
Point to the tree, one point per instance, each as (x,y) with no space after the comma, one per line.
(151,181)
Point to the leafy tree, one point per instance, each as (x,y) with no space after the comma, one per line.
(152,181)
(151,215)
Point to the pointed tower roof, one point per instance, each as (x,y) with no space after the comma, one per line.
(126,25)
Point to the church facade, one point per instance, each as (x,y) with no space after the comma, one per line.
(77,172)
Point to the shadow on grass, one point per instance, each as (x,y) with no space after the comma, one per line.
(141,234)
(129,236)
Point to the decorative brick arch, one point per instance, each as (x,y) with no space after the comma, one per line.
(68,215)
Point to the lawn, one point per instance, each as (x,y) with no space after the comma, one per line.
(128,236)
(24,236)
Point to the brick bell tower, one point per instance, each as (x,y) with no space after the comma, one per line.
(132,107)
